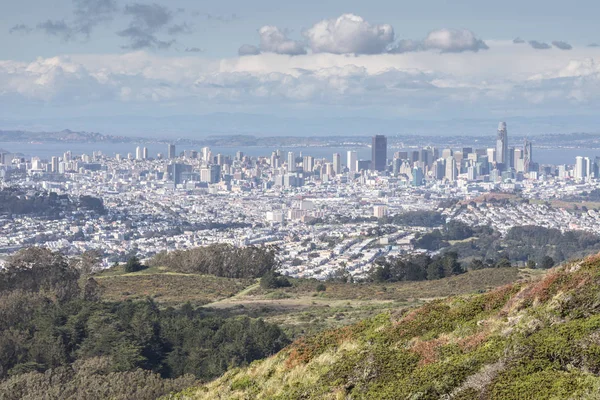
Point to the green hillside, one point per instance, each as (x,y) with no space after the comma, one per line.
(537,340)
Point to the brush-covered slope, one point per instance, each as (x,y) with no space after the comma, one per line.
(536,340)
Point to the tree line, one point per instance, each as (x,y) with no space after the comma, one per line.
(222,260)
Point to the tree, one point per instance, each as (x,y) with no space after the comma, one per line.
(133,265)
(273,280)
(547,262)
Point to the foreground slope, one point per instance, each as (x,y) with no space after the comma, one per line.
(537,340)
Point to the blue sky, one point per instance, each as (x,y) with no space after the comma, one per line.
(425,60)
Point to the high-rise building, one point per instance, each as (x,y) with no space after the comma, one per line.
(527,155)
(351,161)
(308,164)
(451,172)
(206,154)
(54,164)
(580,167)
(138,153)
(291,162)
(145,153)
(337,163)
(502,156)
(379,153)
(171,151)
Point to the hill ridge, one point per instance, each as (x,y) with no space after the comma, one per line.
(538,340)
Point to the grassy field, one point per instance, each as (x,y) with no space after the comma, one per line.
(168,288)
(300,309)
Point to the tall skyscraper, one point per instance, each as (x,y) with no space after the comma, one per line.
(451,171)
(379,153)
(351,161)
(145,153)
(54,164)
(502,156)
(337,163)
(580,167)
(291,162)
(138,153)
(171,151)
(527,155)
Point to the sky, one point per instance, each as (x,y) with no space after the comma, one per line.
(73,63)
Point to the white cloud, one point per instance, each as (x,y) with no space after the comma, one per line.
(349,34)
(275,40)
(453,41)
(505,73)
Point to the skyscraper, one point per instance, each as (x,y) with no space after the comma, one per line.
(291,162)
(351,160)
(379,153)
(138,153)
(337,163)
(502,156)
(580,167)
(527,155)
(171,151)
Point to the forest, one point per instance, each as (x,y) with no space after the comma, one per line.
(46,204)
(55,333)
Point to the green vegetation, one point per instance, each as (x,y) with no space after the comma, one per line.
(56,337)
(417,218)
(535,340)
(220,260)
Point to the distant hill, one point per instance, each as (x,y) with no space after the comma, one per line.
(62,136)
(538,340)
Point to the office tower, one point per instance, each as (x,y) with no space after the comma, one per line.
(396,163)
(439,169)
(414,156)
(352,158)
(145,153)
(580,167)
(274,160)
(446,153)
(291,162)
(337,163)
(451,169)
(502,156)
(138,153)
(206,153)
(527,155)
(426,157)
(239,155)
(511,157)
(491,155)
(379,153)
(471,173)
(403,155)
(467,150)
(67,156)
(54,164)
(220,159)
(171,151)
(417,176)
(308,164)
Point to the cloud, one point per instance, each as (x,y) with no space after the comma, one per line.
(248,50)
(20,28)
(349,33)
(518,40)
(562,45)
(90,13)
(453,41)
(182,28)
(593,45)
(275,40)
(56,28)
(147,21)
(193,50)
(539,45)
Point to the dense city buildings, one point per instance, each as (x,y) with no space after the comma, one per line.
(303,203)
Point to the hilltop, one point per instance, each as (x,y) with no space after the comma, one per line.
(526,340)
